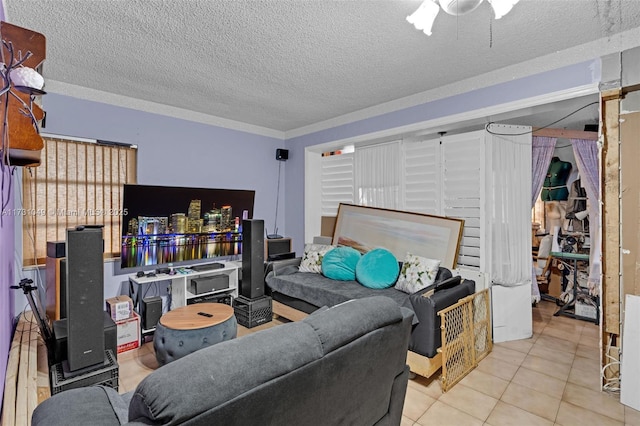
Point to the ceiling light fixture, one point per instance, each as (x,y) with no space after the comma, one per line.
(424,17)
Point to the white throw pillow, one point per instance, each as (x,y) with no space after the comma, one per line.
(313,255)
(417,273)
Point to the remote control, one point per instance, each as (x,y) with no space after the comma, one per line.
(204,314)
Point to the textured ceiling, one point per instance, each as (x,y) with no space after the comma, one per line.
(286,64)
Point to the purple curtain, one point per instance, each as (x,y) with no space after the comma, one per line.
(586,154)
(542,151)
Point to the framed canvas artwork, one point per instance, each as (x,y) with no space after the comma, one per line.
(366,228)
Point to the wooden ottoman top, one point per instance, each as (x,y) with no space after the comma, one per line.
(187,317)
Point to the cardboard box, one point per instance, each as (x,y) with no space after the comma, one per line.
(120,308)
(128,333)
(555,282)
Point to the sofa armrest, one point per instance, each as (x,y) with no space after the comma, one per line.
(282,267)
(426,335)
(102,404)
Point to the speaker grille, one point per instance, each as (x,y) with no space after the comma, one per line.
(252,284)
(85,294)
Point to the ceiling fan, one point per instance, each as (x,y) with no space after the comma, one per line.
(424,17)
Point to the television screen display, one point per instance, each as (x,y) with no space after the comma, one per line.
(165,225)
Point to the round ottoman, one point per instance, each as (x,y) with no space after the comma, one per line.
(186,329)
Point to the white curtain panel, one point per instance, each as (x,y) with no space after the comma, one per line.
(586,153)
(377,175)
(509,204)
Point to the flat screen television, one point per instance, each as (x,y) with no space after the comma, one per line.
(168,225)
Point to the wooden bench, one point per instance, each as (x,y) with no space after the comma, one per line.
(27,379)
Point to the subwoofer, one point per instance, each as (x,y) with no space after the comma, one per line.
(252,283)
(85,297)
(151,311)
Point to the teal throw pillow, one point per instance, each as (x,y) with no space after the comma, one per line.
(340,263)
(377,268)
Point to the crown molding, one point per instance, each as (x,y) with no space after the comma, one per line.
(66,89)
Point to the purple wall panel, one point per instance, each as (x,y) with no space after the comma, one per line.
(7,277)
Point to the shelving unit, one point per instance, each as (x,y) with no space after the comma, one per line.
(179,285)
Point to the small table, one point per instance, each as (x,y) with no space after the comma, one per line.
(186,329)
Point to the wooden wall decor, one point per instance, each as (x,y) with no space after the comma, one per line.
(20,112)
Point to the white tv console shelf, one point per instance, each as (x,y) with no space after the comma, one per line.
(179,284)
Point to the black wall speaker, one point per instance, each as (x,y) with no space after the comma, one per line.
(282,154)
(252,284)
(85,297)
(151,311)
(56,249)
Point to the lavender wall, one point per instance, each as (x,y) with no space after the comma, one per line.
(183,153)
(174,152)
(573,76)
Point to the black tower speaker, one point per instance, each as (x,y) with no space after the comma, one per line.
(151,311)
(252,283)
(85,297)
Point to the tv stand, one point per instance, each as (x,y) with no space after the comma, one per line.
(179,285)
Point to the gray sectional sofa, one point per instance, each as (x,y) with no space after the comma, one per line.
(306,292)
(344,365)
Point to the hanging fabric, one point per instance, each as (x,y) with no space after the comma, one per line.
(586,154)
(377,175)
(509,204)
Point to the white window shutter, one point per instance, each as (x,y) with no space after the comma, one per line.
(337,182)
(422,177)
(462,189)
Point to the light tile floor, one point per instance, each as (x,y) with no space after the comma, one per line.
(550,379)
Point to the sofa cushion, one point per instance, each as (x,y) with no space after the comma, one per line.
(417,273)
(313,255)
(340,263)
(377,268)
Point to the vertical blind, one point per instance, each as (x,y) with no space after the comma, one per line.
(336,182)
(77,183)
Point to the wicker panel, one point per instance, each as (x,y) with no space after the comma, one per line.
(466,337)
